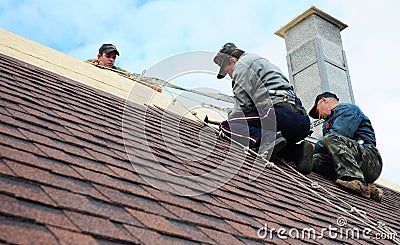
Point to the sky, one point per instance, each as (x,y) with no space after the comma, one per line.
(146,32)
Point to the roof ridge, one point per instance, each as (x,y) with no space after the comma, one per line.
(78,70)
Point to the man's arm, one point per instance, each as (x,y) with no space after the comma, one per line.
(346,122)
(242,90)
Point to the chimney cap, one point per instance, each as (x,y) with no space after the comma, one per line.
(313,10)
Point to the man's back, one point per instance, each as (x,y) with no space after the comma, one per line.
(348,120)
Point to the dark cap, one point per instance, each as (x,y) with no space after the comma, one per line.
(107,48)
(313,111)
(222,58)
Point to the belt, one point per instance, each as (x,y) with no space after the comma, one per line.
(292,107)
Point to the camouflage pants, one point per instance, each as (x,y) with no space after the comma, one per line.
(345,158)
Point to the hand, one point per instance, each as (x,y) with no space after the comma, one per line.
(156,88)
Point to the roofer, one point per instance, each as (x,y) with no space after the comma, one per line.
(264,105)
(107,56)
(347,151)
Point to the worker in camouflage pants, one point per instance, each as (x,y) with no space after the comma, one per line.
(347,152)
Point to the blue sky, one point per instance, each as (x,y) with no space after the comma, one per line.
(146,32)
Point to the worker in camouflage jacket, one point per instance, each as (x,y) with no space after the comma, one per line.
(347,152)
(267,115)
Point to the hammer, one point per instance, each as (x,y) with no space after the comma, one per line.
(210,121)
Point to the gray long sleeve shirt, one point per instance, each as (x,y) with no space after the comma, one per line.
(252,77)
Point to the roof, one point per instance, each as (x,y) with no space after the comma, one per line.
(78,164)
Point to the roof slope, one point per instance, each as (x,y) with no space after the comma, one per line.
(66,177)
(72,68)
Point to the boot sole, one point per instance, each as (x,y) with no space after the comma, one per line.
(355,187)
(306,166)
(279,145)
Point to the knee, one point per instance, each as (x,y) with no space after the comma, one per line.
(322,165)
(334,143)
(315,159)
(318,159)
(330,139)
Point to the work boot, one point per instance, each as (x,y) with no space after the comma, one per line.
(376,193)
(355,186)
(276,146)
(303,154)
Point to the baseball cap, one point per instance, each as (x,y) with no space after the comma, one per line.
(222,58)
(107,48)
(313,111)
